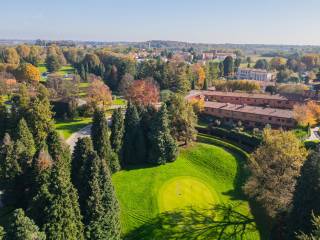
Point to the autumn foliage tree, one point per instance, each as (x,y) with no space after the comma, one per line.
(199,75)
(274,167)
(27,72)
(99,94)
(307,114)
(143,92)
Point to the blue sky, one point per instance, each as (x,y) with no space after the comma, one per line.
(208,21)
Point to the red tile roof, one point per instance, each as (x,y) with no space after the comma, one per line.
(272,112)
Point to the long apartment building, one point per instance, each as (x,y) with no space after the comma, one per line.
(255,99)
(252,116)
(255,74)
(254,110)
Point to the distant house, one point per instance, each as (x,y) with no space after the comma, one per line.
(215,54)
(255,74)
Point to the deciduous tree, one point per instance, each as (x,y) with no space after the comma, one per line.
(306,196)
(182,119)
(99,94)
(143,92)
(274,167)
(52,63)
(28,73)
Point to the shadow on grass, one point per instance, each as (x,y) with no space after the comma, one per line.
(260,217)
(130,167)
(222,222)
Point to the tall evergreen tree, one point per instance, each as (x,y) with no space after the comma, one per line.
(221,69)
(25,146)
(61,213)
(117,129)
(25,150)
(23,228)
(101,141)
(10,169)
(102,218)
(205,85)
(228,66)
(4,117)
(182,83)
(39,118)
(306,198)
(134,150)
(163,147)
(80,168)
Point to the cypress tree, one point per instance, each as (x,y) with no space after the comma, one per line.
(133,140)
(306,198)
(80,168)
(3,120)
(41,171)
(23,228)
(25,151)
(117,129)
(102,217)
(25,146)
(39,118)
(163,147)
(101,141)
(61,216)
(205,85)
(10,169)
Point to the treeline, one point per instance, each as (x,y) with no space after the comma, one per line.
(284,181)
(58,196)
(40,179)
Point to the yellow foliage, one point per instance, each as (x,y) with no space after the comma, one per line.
(197,104)
(307,114)
(31,73)
(200,75)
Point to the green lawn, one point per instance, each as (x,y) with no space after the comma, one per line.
(67,127)
(202,175)
(63,70)
(301,132)
(119,101)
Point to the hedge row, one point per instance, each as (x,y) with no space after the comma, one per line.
(239,137)
(212,140)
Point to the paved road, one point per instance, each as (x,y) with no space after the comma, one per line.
(84,132)
(314,134)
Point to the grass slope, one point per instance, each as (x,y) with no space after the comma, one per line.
(143,192)
(67,127)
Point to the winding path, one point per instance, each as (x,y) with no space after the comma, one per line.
(314,134)
(84,132)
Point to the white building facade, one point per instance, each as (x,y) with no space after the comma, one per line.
(254,74)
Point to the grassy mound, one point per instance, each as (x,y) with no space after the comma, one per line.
(202,175)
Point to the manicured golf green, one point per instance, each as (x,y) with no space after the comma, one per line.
(203,175)
(184,192)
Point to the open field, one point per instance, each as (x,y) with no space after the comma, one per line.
(63,70)
(67,127)
(203,175)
